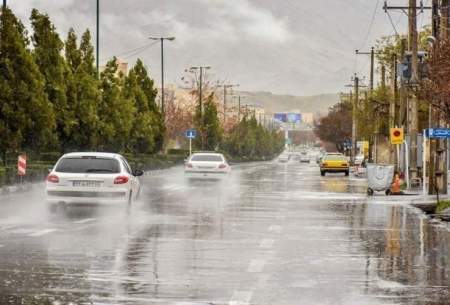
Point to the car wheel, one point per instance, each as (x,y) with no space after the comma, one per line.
(347,173)
(322,173)
(369,192)
(388,192)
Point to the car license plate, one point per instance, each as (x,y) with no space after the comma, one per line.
(205,167)
(86,183)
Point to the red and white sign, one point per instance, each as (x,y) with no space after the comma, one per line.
(22,165)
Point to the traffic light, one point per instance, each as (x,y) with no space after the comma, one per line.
(397,136)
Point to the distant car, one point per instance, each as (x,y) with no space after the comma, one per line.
(283,158)
(334,163)
(304,158)
(206,164)
(91,177)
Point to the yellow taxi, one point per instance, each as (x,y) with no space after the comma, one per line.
(334,163)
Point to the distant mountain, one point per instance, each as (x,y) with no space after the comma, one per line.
(280,103)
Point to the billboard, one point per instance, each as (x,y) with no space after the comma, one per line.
(294,118)
(288,117)
(282,117)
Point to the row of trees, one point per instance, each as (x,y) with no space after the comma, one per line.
(53,98)
(247,139)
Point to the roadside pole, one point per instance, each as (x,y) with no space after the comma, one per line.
(190,146)
(424,170)
(407,165)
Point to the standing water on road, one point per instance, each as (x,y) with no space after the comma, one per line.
(270,233)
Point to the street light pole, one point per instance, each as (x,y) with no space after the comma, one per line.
(161,39)
(97,38)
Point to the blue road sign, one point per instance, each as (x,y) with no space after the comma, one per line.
(191,133)
(443,133)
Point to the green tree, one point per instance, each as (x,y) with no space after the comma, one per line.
(208,125)
(27,118)
(211,125)
(149,126)
(83,94)
(249,140)
(47,55)
(116,110)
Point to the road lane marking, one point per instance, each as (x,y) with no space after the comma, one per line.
(84,220)
(266,243)
(42,232)
(276,229)
(241,298)
(256,265)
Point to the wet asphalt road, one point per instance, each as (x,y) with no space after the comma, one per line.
(270,234)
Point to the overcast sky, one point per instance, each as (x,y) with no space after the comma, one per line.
(298,47)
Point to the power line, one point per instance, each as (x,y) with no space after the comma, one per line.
(392,23)
(134,52)
(369,31)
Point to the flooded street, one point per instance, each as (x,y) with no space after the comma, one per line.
(271,233)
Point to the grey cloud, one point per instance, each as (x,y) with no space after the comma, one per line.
(287,46)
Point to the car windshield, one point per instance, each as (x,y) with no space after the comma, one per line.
(207,158)
(81,165)
(335,158)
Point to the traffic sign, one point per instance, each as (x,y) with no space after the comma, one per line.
(397,136)
(191,133)
(22,165)
(442,133)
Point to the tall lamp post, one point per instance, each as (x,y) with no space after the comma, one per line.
(162,66)
(97,51)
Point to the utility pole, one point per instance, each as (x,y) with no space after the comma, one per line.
(392,106)
(372,54)
(413,125)
(437,177)
(445,15)
(239,105)
(225,87)
(161,39)
(97,55)
(355,102)
(354,117)
(412,109)
(200,99)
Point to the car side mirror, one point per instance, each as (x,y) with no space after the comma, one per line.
(138,173)
(49,170)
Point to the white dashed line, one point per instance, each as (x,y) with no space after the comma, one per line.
(241,298)
(84,220)
(256,265)
(266,243)
(42,232)
(276,229)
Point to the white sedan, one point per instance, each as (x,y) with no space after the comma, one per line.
(206,164)
(91,177)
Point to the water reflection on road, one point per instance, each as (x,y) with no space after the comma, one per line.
(269,234)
